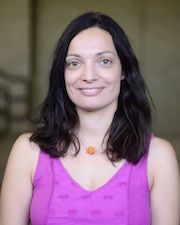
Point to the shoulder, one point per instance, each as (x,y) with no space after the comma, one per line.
(161,150)
(25,153)
(162,159)
(17,188)
(23,146)
(165,182)
(23,139)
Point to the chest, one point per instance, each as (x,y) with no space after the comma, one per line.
(91,172)
(122,199)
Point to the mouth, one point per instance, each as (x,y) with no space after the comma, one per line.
(90,91)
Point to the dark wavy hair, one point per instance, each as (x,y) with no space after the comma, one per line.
(128,134)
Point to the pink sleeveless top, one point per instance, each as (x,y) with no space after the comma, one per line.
(59,200)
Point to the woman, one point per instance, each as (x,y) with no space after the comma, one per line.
(92,158)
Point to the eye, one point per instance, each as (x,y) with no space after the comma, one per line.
(73,64)
(106,62)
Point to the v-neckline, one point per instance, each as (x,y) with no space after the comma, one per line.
(78,185)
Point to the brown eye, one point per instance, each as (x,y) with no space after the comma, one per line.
(73,64)
(106,62)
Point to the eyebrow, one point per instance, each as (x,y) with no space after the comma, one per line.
(105,52)
(76,55)
(98,54)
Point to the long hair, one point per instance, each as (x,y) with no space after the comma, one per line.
(128,134)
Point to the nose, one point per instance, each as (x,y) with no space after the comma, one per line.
(89,73)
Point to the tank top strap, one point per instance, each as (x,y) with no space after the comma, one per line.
(139,192)
(44,168)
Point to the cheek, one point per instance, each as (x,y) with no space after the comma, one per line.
(67,84)
(116,84)
(116,80)
(66,77)
(70,83)
(68,80)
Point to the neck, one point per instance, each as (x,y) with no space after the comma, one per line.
(93,126)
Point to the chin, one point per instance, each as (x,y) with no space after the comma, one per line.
(92,108)
(89,108)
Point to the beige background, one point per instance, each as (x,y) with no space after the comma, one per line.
(29,30)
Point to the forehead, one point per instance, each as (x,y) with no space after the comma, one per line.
(92,39)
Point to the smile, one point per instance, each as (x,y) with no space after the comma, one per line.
(90,91)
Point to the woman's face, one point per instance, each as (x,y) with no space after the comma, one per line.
(93,70)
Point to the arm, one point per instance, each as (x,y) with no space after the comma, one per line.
(165,192)
(16,189)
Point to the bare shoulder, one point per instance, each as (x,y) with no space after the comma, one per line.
(25,152)
(23,145)
(161,150)
(17,185)
(24,140)
(162,158)
(164,179)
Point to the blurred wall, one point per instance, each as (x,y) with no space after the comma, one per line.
(14,36)
(153,29)
(14,63)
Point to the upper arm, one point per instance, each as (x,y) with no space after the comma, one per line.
(16,189)
(165,192)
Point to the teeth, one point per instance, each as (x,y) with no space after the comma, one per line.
(91,91)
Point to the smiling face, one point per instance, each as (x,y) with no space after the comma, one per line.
(93,70)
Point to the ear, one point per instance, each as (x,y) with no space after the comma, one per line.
(122,76)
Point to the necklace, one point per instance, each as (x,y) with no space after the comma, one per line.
(91,150)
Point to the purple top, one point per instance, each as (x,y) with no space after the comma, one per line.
(59,200)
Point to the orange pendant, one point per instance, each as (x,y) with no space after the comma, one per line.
(90,150)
